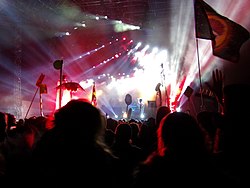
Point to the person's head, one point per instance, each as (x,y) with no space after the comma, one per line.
(161,112)
(123,132)
(80,118)
(180,135)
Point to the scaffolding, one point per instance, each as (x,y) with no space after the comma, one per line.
(18,74)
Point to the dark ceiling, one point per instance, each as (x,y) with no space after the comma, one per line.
(44,18)
(27,25)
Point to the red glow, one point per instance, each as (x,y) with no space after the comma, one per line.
(178,93)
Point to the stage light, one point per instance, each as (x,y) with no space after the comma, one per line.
(125,115)
(178,109)
(142,116)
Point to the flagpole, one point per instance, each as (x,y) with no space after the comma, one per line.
(60,89)
(199,71)
(229,48)
(198,61)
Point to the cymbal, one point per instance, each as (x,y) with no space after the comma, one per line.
(71,86)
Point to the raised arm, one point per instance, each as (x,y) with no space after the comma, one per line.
(217,87)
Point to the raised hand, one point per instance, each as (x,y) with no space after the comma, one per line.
(217,87)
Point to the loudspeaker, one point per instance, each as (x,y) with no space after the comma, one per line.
(151,110)
(151,104)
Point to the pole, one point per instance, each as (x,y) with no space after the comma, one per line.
(58,65)
(31,103)
(41,105)
(60,89)
(199,69)
(205,31)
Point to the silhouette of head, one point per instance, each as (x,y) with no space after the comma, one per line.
(123,132)
(80,118)
(161,112)
(180,135)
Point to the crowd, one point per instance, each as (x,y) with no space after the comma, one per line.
(80,147)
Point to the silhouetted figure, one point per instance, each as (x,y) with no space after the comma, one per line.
(111,124)
(236,132)
(74,152)
(3,135)
(181,159)
(109,137)
(209,121)
(129,154)
(161,112)
(234,138)
(147,137)
(135,128)
(148,132)
(3,126)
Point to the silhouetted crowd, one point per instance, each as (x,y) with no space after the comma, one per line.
(80,147)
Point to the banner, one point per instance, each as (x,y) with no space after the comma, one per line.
(40,80)
(227,36)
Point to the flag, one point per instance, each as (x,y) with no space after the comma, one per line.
(40,80)
(227,36)
(43,89)
(93,100)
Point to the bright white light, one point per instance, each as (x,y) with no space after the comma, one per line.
(155,50)
(142,116)
(138,45)
(121,27)
(178,109)
(125,115)
(86,84)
